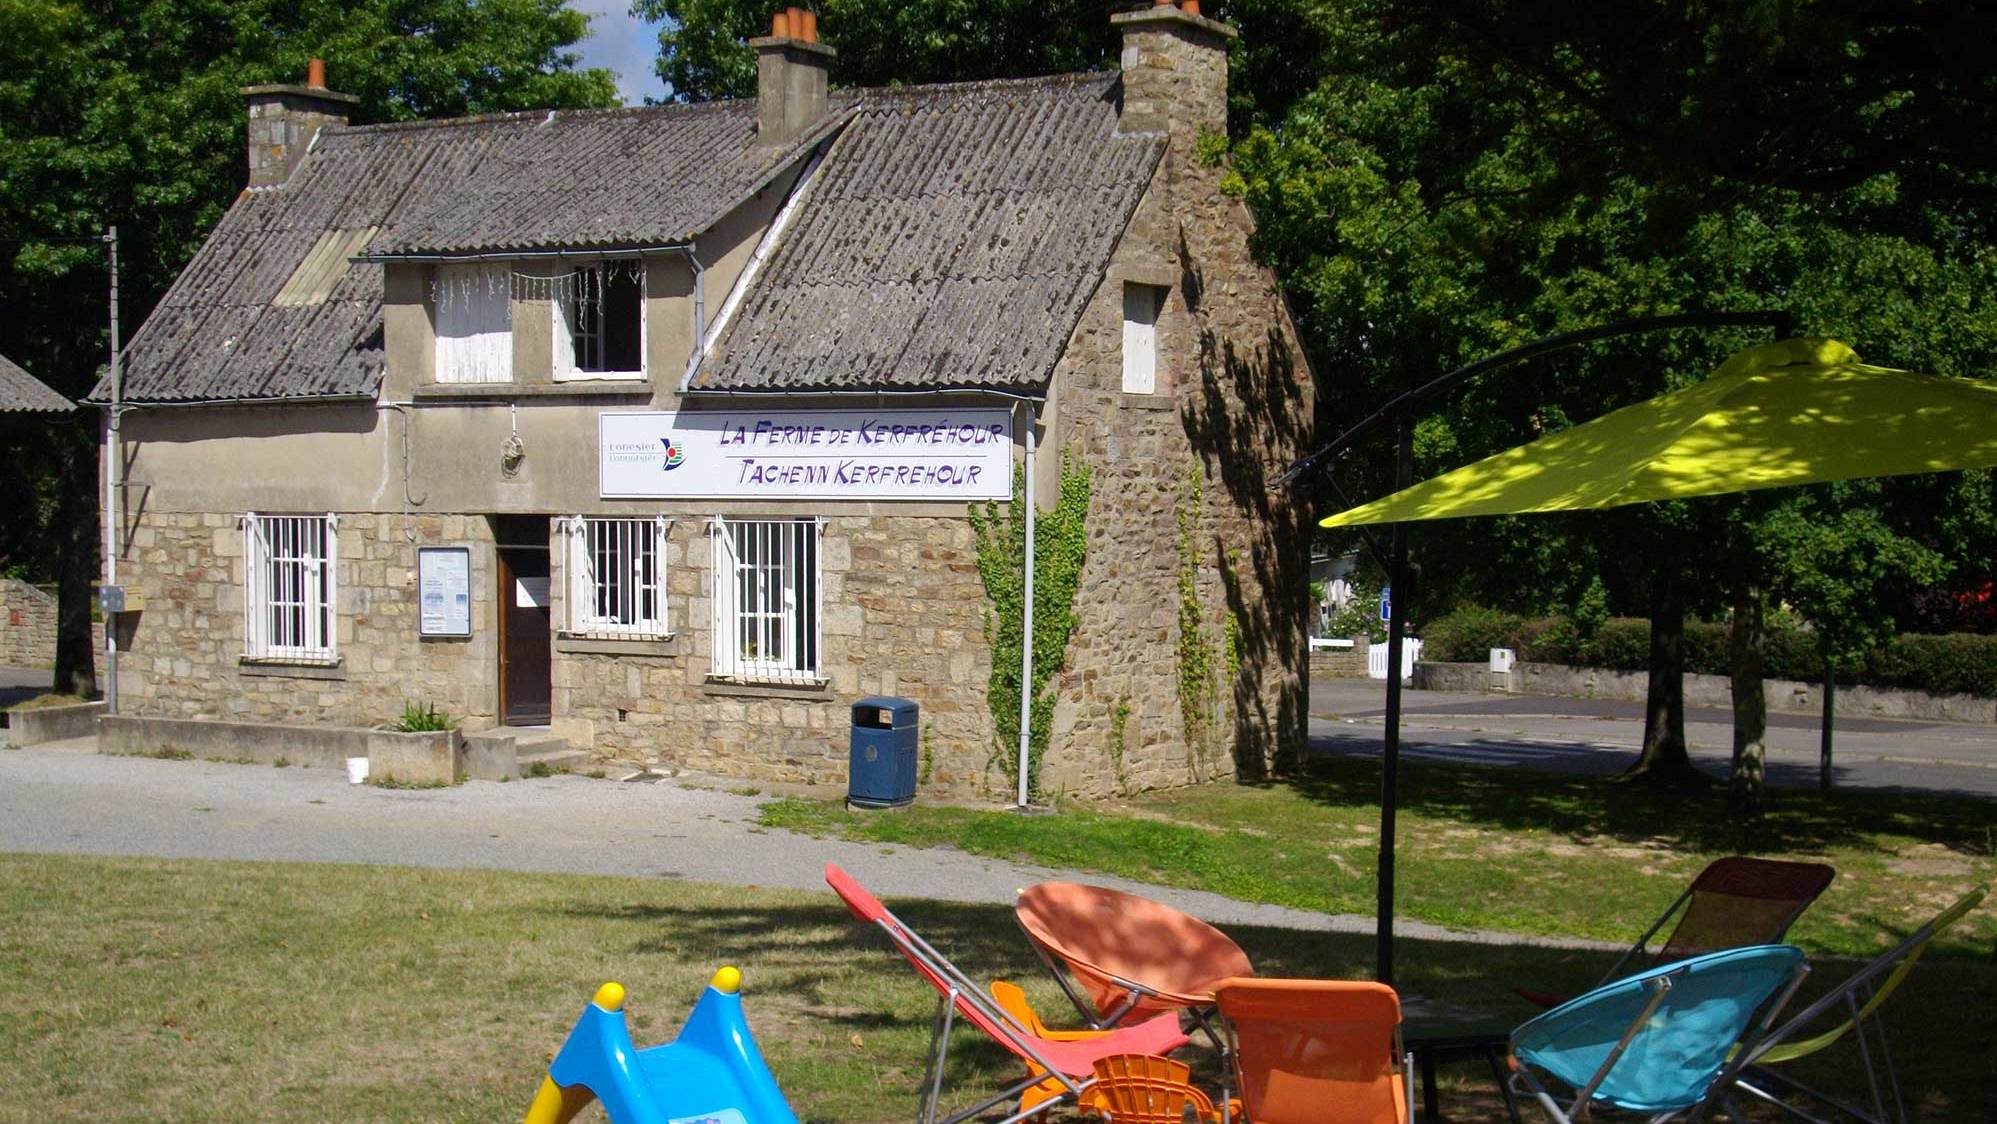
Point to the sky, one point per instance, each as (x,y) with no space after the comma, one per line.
(624,45)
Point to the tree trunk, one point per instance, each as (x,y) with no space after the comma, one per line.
(76,561)
(1665,760)
(1745,642)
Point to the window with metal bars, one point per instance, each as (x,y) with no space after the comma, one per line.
(288,587)
(617,577)
(766,600)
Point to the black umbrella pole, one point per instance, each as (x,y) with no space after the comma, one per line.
(1390,758)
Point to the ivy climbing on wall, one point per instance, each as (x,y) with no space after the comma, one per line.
(1201,664)
(1060,547)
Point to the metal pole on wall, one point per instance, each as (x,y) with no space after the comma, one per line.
(1026,627)
(1390,755)
(113,457)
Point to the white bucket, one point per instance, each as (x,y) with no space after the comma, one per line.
(357,770)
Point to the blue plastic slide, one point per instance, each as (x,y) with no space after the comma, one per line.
(711,1074)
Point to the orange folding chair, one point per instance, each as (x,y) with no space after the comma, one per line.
(1735,902)
(1317,1051)
(1143,1089)
(1070,1064)
(1118,955)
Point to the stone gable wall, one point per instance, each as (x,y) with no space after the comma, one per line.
(1234,407)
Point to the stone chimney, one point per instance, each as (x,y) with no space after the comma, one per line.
(1174,71)
(791,69)
(285,118)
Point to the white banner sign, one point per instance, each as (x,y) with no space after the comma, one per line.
(807,454)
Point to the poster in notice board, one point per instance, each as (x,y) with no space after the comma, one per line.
(443,590)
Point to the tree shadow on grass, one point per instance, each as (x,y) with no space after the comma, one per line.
(813,975)
(1796,821)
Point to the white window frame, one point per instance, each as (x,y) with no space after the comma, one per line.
(606,568)
(769,571)
(291,588)
(564,368)
(1142,305)
(474,323)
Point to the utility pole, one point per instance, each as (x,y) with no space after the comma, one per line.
(111,603)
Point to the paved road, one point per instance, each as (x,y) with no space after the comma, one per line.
(66,798)
(1601,736)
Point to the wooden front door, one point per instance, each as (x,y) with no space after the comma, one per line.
(526,623)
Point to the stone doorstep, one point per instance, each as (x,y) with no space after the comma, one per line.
(497,754)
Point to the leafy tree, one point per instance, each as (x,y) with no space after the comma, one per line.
(129,114)
(1469,176)
(704,52)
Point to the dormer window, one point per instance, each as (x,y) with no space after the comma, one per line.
(600,322)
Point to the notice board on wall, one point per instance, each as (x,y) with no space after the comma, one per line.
(443,590)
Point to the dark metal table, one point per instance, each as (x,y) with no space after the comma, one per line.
(1433,1040)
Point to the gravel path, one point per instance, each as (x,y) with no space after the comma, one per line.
(65,798)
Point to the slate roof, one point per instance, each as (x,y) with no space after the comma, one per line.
(268,309)
(23,393)
(950,239)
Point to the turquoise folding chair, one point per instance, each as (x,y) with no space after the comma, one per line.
(1660,1042)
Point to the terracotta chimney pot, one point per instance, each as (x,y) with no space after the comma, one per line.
(1190,7)
(315,74)
(810,26)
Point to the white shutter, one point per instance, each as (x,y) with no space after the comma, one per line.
(256,604)
(474,305)
(722,598)
(564,335)
(1140,339)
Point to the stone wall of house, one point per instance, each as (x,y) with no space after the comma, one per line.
(903,615)
(186,646)
(1173,682)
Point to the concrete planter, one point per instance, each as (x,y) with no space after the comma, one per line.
(312,747)
(32,725)
(427,757)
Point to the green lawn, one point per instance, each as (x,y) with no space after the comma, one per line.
(1491,848)
(154,990)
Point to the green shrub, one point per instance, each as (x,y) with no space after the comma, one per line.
(1468,635)
(423,718)
(1622,644)
(1549,640)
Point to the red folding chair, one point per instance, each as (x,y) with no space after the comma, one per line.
(1735,902)
(1072,1063)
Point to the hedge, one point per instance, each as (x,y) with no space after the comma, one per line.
(1958,663)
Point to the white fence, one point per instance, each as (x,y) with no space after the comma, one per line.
(1376,658)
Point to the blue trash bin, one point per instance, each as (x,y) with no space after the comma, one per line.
(881,767)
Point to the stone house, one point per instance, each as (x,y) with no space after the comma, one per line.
(662,428)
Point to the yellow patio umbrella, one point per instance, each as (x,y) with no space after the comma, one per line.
(1802,411)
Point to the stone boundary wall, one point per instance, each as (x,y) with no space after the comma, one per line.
(1340,663)
(28,627)
(1701,690)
